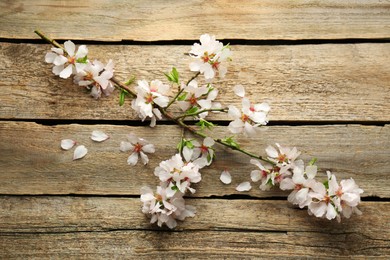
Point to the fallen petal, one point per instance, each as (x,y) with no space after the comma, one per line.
(225,177)
(99,136)
(244,186)
(80,152)
(239,91)
(67,144)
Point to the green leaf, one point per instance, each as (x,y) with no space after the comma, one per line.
(313,161)
(230,141)
(182,97)
(122,97)
(175,188)
(173,75)
(189,144)
(82,60)
(209,158)
(192,110)
(227,46)
(326,184)
(204,124)
(130,81)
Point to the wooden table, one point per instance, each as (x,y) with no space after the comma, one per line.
(324,66)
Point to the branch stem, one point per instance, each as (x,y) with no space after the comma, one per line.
(49,40)
(168,115)
(202,111)
(181,91)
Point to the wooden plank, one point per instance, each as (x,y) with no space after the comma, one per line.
(303,82)
(86,214)
(33,163)
(197,244)
(162,20)
(98,227)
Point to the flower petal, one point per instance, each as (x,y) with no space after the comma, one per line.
(80,152)
(59,60)
(67,144)
(255,175)
(99,136)
(208,141)
(225,177)
(65,73)
(133,159)
(148,148)
(187,153)
(244,186)
(144,158)
(82,52)
(70,48)
(126,146)
(50,57)
(271,152)
(239,90)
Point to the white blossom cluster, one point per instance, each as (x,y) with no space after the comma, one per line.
(324,199)
(94,76)
(166,204)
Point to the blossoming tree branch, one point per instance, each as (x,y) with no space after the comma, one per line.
(196,98)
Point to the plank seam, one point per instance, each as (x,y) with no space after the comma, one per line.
(247,42)
(211,197)
(137,122)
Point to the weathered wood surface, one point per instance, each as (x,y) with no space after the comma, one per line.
(194,245)
(113,227)
(53,207)
(172,20)
(33,163)
(105,214)
(304,82)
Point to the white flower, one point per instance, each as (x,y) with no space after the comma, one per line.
(96,76)
(179,173)
(99,136)
(225,177)
(210,57)
(80,152)
(68,63)
(250,116)
(200,97)
(263,174)
(300,185)
(139,147)
(322,204)
(164,209)
(284,158)
(346,195)
(67,144)
(203,151)
(147,96)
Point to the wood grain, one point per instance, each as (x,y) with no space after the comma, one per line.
(33,163)
(193,245)
(172,20)
(302,83)
(101,227)
(60,214)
